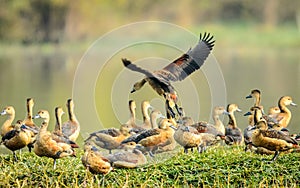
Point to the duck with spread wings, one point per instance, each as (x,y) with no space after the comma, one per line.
(178,70)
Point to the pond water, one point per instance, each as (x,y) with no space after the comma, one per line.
(50,79)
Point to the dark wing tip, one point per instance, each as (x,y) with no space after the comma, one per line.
(126,62)
(207,38)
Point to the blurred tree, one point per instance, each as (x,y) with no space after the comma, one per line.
(56,20)
(271,13)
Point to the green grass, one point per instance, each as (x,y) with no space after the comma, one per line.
(218,167)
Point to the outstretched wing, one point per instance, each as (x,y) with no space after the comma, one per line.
(158,78)
(191,61)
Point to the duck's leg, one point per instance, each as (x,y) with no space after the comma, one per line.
(29,146)
(54,164)
(275,156)
(151,154)
(178,110)
(186,150)
(15,156)
(169,111)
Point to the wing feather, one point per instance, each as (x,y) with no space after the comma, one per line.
(192,60)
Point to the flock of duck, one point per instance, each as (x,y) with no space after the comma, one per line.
(159,133)
(25,133)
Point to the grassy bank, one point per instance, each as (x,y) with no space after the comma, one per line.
(218,167)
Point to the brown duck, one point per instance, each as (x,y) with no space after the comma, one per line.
(271,139)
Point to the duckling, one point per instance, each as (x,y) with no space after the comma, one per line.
(256,94)
(94,161)
(46,146)
(232,131)
(285,114)
(272,139)
(71,128)
(7,125)
(17,138)
(130,157)
(178,70)
(109,138)
(29,122)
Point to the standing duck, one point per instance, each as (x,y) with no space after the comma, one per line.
(232,131)
(46,146)
(7,125)
(71,128)
(17,138)
(285,114)
(29,122)
(178,70)
(271,139)
(57,134)
(94,161)
(188,137)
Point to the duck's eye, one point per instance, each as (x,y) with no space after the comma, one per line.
(8,108)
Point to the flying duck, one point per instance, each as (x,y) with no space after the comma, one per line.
(178,70)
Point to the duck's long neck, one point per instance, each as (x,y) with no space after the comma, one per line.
(7,123)
(153,122)
(29,112)
(251,120)
(257,116)
(58,122)
(132,114)
(218,123)
(145,113)
(232,120)
(44,127)
(257,100)
(72,116)
(285,110)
